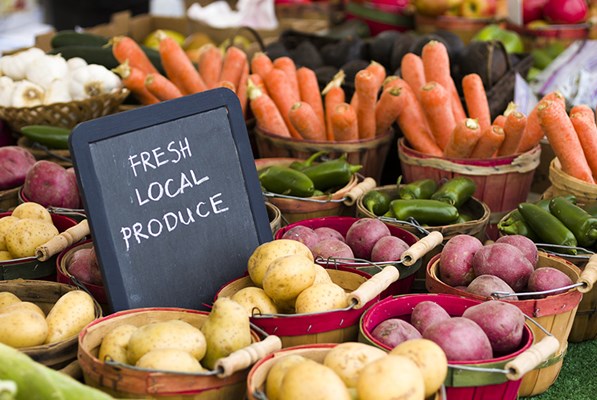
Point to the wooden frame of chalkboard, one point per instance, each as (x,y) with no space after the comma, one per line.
(172,197)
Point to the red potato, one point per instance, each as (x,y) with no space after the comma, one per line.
(388,248)
(502,322)
(461,339)
(83,266)
(524,244)
(485,285)
(15,162)
(324,232)
(547,278)
(331,248)
(504,261)
(49,184)
(427,313)
(394,331)
(303,234)
(455,263)
(363,234)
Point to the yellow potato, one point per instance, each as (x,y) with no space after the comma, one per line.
(286,277)
(311,380)
(321,275)
(31,210)
(22,328)
(22,305)
(5,255)
(6,224)
(170,360)
(174,334)
(8,298)
(391,377)
(348,359)
(115,343)
(277,372)
(26,235)
(323,297)
(71,313)
(268,252)
(255,301)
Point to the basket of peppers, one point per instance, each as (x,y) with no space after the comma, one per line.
(311,188)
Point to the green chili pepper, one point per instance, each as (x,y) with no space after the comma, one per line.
(518,227)
(421,189)
(591,208)
(547,227)
(51,136)
(285,180)
(580,222)
(301,165)
(377,202)
(462,218)
(389,213)
(317,192)
(425,211)
(331,173)
(456,191)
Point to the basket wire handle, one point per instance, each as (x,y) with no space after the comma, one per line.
(373,287)
(247,356)
(62,241)
(547,247)
(360,189)
(588,275)
(37,145)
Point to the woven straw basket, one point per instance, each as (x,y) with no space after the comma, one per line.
(563,184)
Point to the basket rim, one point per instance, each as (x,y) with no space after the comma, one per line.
(61,267)
(332,144)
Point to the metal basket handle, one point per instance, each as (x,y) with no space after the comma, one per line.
(62,241)
(373,286)
(247,356)
(531,358)
(360,189)
(588,275)
(421,247)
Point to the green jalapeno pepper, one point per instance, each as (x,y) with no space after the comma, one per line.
(377,202)
(51,136)
(287,181)
(421,189)
(333,173)
(425,211)
(462,218)
(301,165)
(389,213)
(548,228)
(456,191)
(580,222)
(518,227)
(514,217)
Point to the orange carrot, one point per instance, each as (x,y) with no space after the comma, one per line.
(378,71)
(161,87)
(210,64)
(436,64)
(124,48)
(475,98)
(464,138)
(411,68)
(261,64)
(513,130)
(584,110)
(134,80)
(288,66)
(232,66)
(241,90)
(258,81)
(583,119)
(267,115)
(563,139)
(333,95)
(436,104)
(282,94)
(366,89)
(387,110)
(533,133)
(179,69)
(500,120)
(309,91)
(227,85)
(490,141)
(344,123)
(305,121)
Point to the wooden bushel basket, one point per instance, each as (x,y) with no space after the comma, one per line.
(9,198)
(275,217)
(563,184)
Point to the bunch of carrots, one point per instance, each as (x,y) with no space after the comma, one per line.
(215,69)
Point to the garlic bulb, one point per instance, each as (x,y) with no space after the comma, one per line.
(46,69)
(92,80)
(7,87)
(75,62)
(58,92)
(15,65)
(27,94)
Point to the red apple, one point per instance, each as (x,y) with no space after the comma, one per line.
(478,8)
(532,10)
(566,12)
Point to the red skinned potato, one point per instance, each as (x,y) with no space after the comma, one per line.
(504,261)
(427,313)
(303,234)
(331,248)
(524,244)
(461,339)
(547,278)
(455,262)
(324,232)
(363,234)
(83,266)
(15,162)
(394,331)
(502,322)
(49,184)
(388,248)
(485,285)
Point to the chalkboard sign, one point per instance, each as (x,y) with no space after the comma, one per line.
(173,199)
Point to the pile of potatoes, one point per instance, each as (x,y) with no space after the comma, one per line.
(24,324)
(29,226)
(414,370)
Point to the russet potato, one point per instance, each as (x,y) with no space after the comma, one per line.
(321,275)
(6,225)
(8,298)
(286,277)
(115,343)
(71,313)
(264,254)
(277,372)
(311,380)
(22,328)
(23,305)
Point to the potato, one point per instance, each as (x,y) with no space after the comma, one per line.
(26,235)
(348,359)
(6,224)
(461,339)
(285,306)
(502,322)
(286,277)
(388,248)
(427,313)
(50,184)
(313,381)
(321,275)
(333,248)
(363,234)
(394,331)
(15,162)
(322,297)
(456,260)
(174,334)
(526,246)
(83,266)
(32,210)
(277,372)
(71,313)
(485,285)
(115,343)
(547,278)
(169,360)
(23,328)
(323,232)
(429,357)
(303,234)
(504,261)
(5,255)
(255,301)
(22,305)
(267,252)
(391,377)
(8,298)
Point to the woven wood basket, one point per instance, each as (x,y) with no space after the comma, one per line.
(563,184)
(61,157)
(275,217)
(9,198)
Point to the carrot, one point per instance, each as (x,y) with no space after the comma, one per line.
(500,120)
(282,94)
(563,139)
(366,89)
(305,121)
(134,80)
(287,65)
(378,71)
(436,104)
(210,64)
(475,98)
(124,48)
(161,87)
(583,120)
(533,133)
(258,81)
(261,64)
(389,82)
(179,69)
(309,91)
(436,63)
(464,138)
(490,141)
(227,84)
(411,68)
(267,115)
(344,123)
(333,95)
(232,66)
(241,90)
(513,130)
(387,110)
